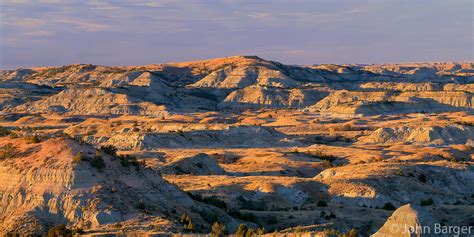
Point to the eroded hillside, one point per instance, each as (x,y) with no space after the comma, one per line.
(241,140)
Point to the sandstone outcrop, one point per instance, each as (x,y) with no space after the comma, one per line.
(409,220)
(436,135)
(200,164)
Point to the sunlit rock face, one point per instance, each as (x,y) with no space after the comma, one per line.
(176,147)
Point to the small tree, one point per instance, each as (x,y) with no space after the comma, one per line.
(217,230)
(351,233)
(241,230)
(427,202)
(79,157)
(250,233)
(188,225)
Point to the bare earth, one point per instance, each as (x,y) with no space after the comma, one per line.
(238,140)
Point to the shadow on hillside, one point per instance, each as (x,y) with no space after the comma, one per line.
(271,198)
(416,105)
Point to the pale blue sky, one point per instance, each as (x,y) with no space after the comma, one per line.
(114,32)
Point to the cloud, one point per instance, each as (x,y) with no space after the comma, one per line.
(20,2)
(149,4)
(38,33)
(88,26)
(259,15)
(28,22)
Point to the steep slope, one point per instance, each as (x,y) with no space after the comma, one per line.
(373,103)
(257,97)
(409,220)
(47,183)
(251,82)
(200,164)
(433,134)
(375,184)
(229,136)
(91,101)
(240,77)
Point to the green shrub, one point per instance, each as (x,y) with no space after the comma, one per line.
(427,202)
(350,233)
(188,225)
(251,204)
(241,230)
(79,157)
(217,230)
(109,149)
(13,135)
(8,151)
(212,200)
(299,229)
(60,231)
(140,205)
(250,217)
(4,132)
(322,203)
(128,160)
(323,156)
(260,231)
(389,206)
(422,178)
(97,162)
(33,139)
(327,164)
(336,233)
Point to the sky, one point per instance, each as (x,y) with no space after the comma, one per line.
(139,32)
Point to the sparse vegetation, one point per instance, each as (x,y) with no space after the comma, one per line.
(128,160)
(109,149)
(427,202)
(141,205)
(335,233)
(32,138)
(79,157)
(8,151)
(251,204)
(243,230)
(465,123)
(322,203)
(211,200)
(98,162)
(4,132)
(422,178)
(218,230)
(188,225)
(62,231)
(327,164)
(284,163)
(322,156)
(389,206)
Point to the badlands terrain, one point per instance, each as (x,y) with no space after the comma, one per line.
(195,147)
